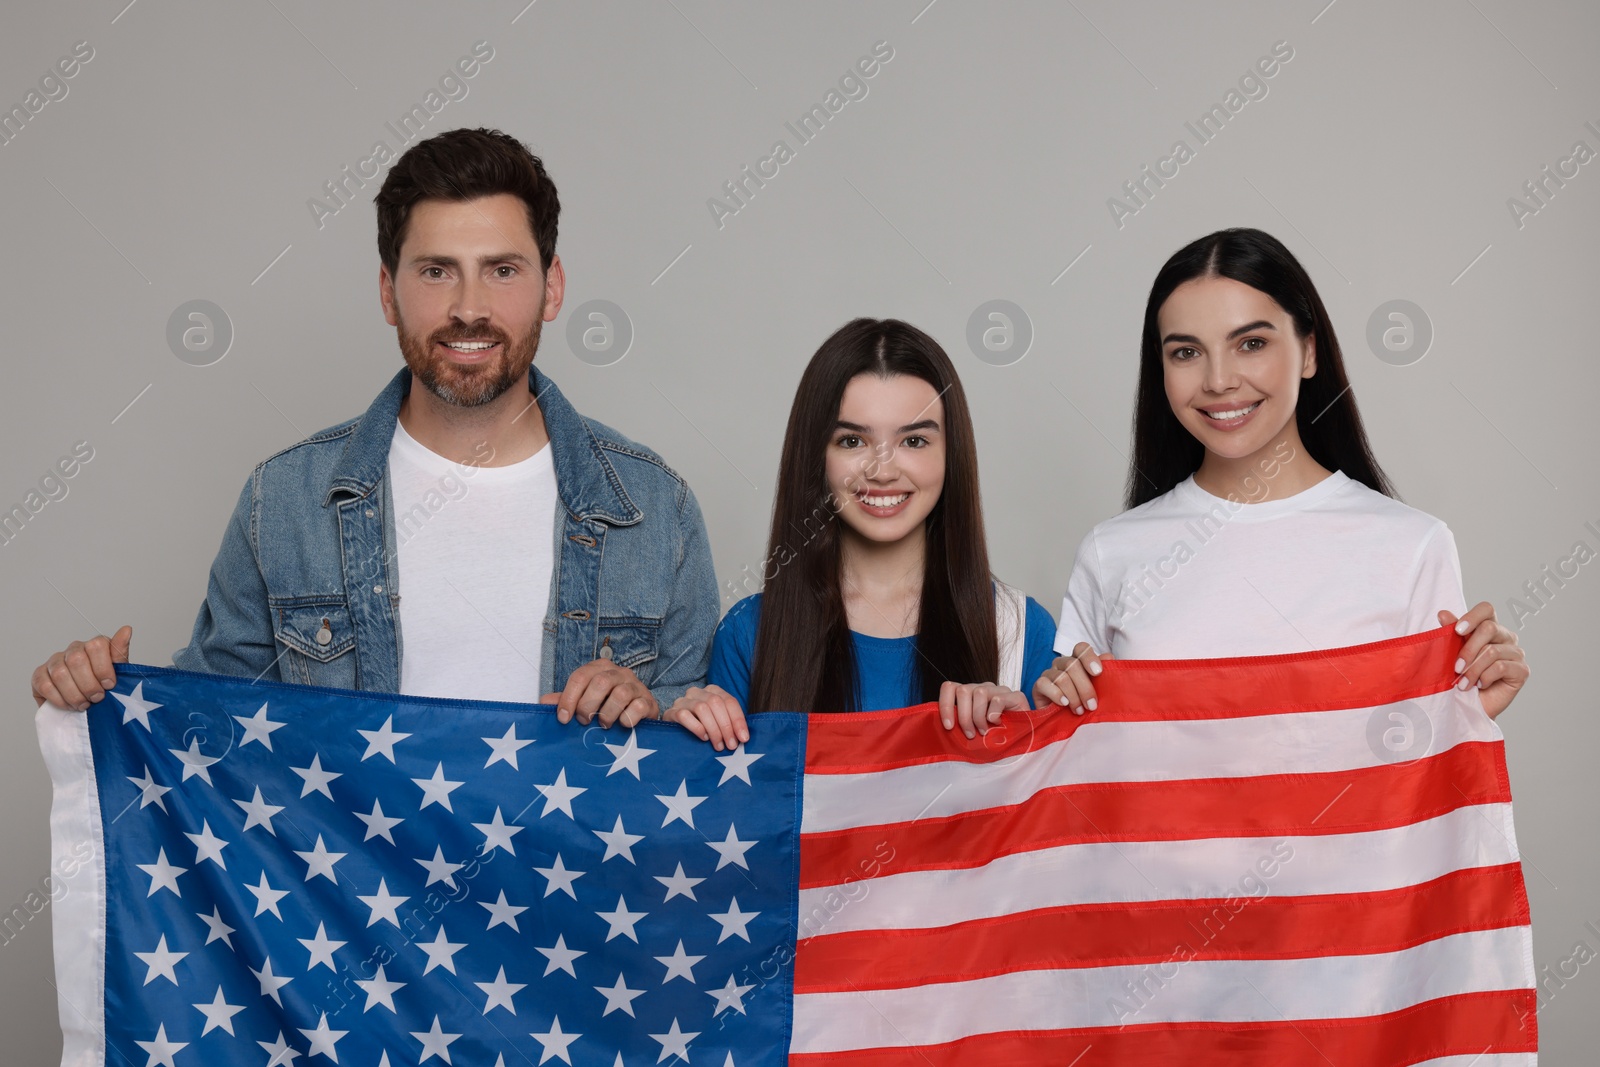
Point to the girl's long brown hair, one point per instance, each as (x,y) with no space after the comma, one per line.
(803,658)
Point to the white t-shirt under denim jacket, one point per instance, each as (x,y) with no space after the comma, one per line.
(1190,575)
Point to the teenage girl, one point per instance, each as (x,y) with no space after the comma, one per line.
(881,595)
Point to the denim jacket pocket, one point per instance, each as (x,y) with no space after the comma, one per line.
(628,642)
(317,635)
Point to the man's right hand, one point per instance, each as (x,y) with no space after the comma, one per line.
(81,674)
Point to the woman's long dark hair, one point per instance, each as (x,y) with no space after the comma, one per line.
(803,659)
(1164,452)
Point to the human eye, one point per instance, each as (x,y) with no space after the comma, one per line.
(916,440)
(1253,344)
(1182,354)
(433,272)
(848,440)
(509,270)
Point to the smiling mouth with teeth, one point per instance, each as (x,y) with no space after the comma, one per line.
(469,346)
(883,501)
(1230,416)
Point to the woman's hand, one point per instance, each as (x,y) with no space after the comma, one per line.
(1067,681)
(976,706)
(1490,659)
(711,714)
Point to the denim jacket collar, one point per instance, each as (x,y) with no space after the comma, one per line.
(586,481)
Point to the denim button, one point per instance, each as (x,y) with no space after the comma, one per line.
(377,589)
(370,513)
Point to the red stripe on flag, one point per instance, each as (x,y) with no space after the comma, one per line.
(1466,1025)
(1359,676)
(1336,802)
(1105,935)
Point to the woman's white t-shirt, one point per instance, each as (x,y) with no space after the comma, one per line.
(1190,575)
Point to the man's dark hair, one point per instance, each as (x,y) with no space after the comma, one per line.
(465,165)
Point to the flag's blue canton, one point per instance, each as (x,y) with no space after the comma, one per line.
(314,875)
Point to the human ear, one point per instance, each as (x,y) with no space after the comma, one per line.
(1309,361)
(386,296)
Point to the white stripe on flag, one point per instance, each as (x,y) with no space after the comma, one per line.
(1105,872)
(1269,991)
(1297,743)
(79,919)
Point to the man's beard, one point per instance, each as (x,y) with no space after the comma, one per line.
(470,385)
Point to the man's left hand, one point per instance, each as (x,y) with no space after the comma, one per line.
(602,690)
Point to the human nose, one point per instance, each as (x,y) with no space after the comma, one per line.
(471,302)
(1221,373)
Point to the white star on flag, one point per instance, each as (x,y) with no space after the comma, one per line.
(622,921)
(731,850)
(267,897)
(378,824)
(734,922)
(163,875)
(383,905)
(322,949)
(437,790)
(498,833)
(560,957)
(628,755)
(679,965)
(679,885)
(435,1042)
(323,1039)
(379,990)
(160,962)
(441,952)
(736,764)
(500,992)
(135,706)
(502,913)
(194,762)
(216,929)
(729,996)
(618,841)
(270,983)
(258,727)
(319,861)
(207,846)
(219,1014)
(618,997)
(316,778)
(555,1042)
(558,795)
(440,869)
(674,1042)
(680,805)
(149,791)
(560,878)
(381,742)
(260,812)
(161,1050)
(506,748)
(282,1051)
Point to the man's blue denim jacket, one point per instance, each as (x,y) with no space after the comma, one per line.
(306,588)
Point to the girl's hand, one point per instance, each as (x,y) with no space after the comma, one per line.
(1067,681)
(711,714)
(977,706)
(1490,659)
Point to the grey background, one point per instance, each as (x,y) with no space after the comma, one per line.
(978,167)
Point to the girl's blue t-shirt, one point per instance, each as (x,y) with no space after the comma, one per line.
(884,665)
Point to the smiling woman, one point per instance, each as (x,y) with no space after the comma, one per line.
(1240,373)
(891,602)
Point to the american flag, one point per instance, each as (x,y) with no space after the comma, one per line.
(1286,860)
